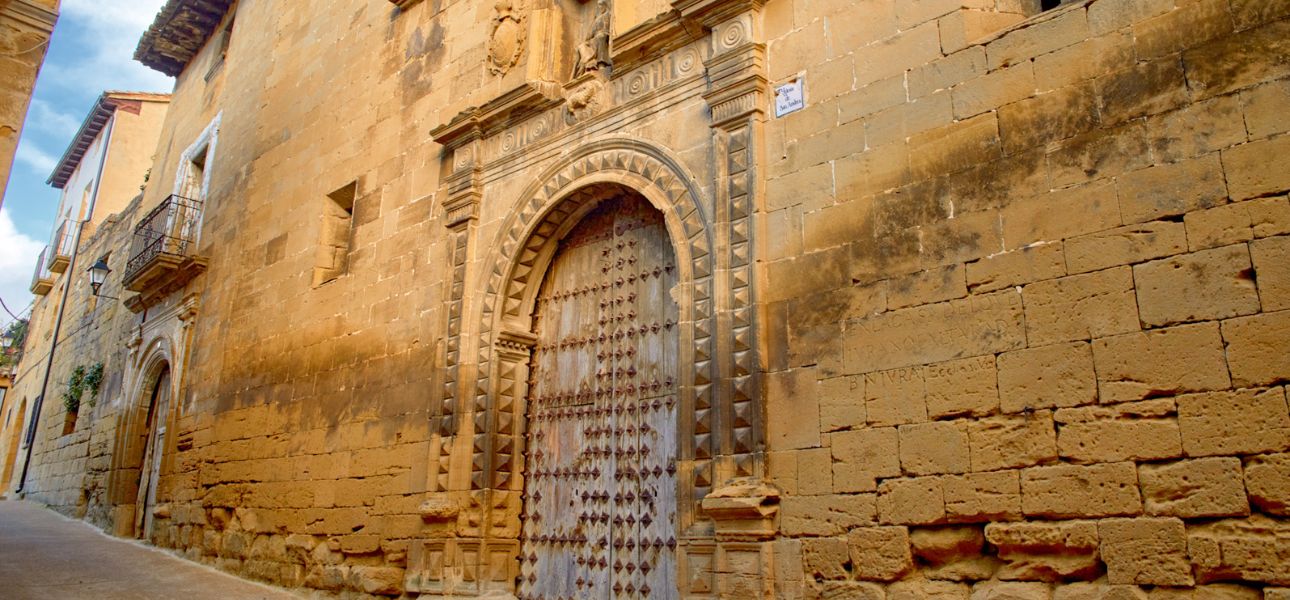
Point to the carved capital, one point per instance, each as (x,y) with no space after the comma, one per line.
(743,509)
(515,344)
(461,203)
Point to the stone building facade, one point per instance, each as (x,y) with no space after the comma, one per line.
(714,299)
(25,27)
(102,170)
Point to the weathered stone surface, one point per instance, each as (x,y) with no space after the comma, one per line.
(841,402)
(1147,551)
(1080,307)
(1114,440)
(1017,267)
(1267,479)
(1039,551)
(1125,245)
(851,590)
(934,333)
(1253,549)
(825,558)
(1239,422)
(1068,491)
(1258,352)
(826,515)
(934,448)
(896,396)
(1009,442)
(861,457)
(1272,266)
(914,589)
(1210,284)
(911,501)
(983,497)
(880,553)
(1207,487)
(1160,362)
(1007,590)
(966,387)
(943,545)
(1054,376)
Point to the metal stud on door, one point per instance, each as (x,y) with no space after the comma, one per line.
(600,507)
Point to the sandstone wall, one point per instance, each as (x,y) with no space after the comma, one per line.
(25,26)
(1030,292)
(1022,283)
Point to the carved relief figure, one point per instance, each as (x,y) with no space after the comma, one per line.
(593,52)
(507,41)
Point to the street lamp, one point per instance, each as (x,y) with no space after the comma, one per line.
(98,274)
(6,339)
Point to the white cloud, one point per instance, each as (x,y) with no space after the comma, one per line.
(110,36)
(35,158)
(45,117)
(18,254)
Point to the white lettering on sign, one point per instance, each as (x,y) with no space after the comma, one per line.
(789,98)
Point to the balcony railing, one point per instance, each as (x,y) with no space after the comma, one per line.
(42,280)
(162,255)
(63,247)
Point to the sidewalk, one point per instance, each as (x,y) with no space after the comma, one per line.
(44,555)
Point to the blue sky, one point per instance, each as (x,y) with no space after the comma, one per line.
(90,52)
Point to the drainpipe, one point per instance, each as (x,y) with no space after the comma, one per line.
(67,289)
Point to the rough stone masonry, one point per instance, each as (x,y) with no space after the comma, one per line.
(1003,313)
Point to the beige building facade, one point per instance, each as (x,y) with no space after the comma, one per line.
(25,27)
(892,299)
(102,170)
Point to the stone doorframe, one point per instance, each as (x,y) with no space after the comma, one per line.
(475,482)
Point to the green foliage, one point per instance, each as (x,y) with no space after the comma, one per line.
(10,357)
(83,379)
(75,388)
(93,378)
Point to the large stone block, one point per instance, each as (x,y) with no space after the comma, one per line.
(880,553)
(1265,107)
(917,589)
(1267,479)
(1236,422)
(1202,488)
(1115,440)
(1010,442)
(983,497)
(1193,131)
(1098,154)
(1210,284)
(1089,208)
(1017,267)
(1160,362)
(934,448)
(1125,245)
(965,387)
(1234,62)
(826,515)
(1059,375)
(1069,491)
(1172,189)
(862,456)
(825,558)
(1146,551)
(1046,551)
(1271,258)
(1258,349)
(895,397)
(911,501)
(972,326)
(1081,307)
(955,147)
(1256,549)
(1219,226)
(841,401)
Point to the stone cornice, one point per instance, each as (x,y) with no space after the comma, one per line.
(30,14)
(711,12)
(511,107)
(178,33)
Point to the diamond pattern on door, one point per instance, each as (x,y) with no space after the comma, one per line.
(600,506)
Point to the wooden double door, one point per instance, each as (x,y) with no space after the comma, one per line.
(600,505)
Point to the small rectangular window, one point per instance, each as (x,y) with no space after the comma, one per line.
(222,41)
(336,234)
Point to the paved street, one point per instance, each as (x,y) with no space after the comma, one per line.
(46,556)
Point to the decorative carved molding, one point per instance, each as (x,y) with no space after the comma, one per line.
(744,509)
(30,14)
(509,32)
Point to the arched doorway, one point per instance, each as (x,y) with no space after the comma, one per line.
(149,447)
(600,513)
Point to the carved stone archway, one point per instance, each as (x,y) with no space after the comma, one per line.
(133,432)
(483,398)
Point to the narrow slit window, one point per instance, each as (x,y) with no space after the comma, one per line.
(336,234)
